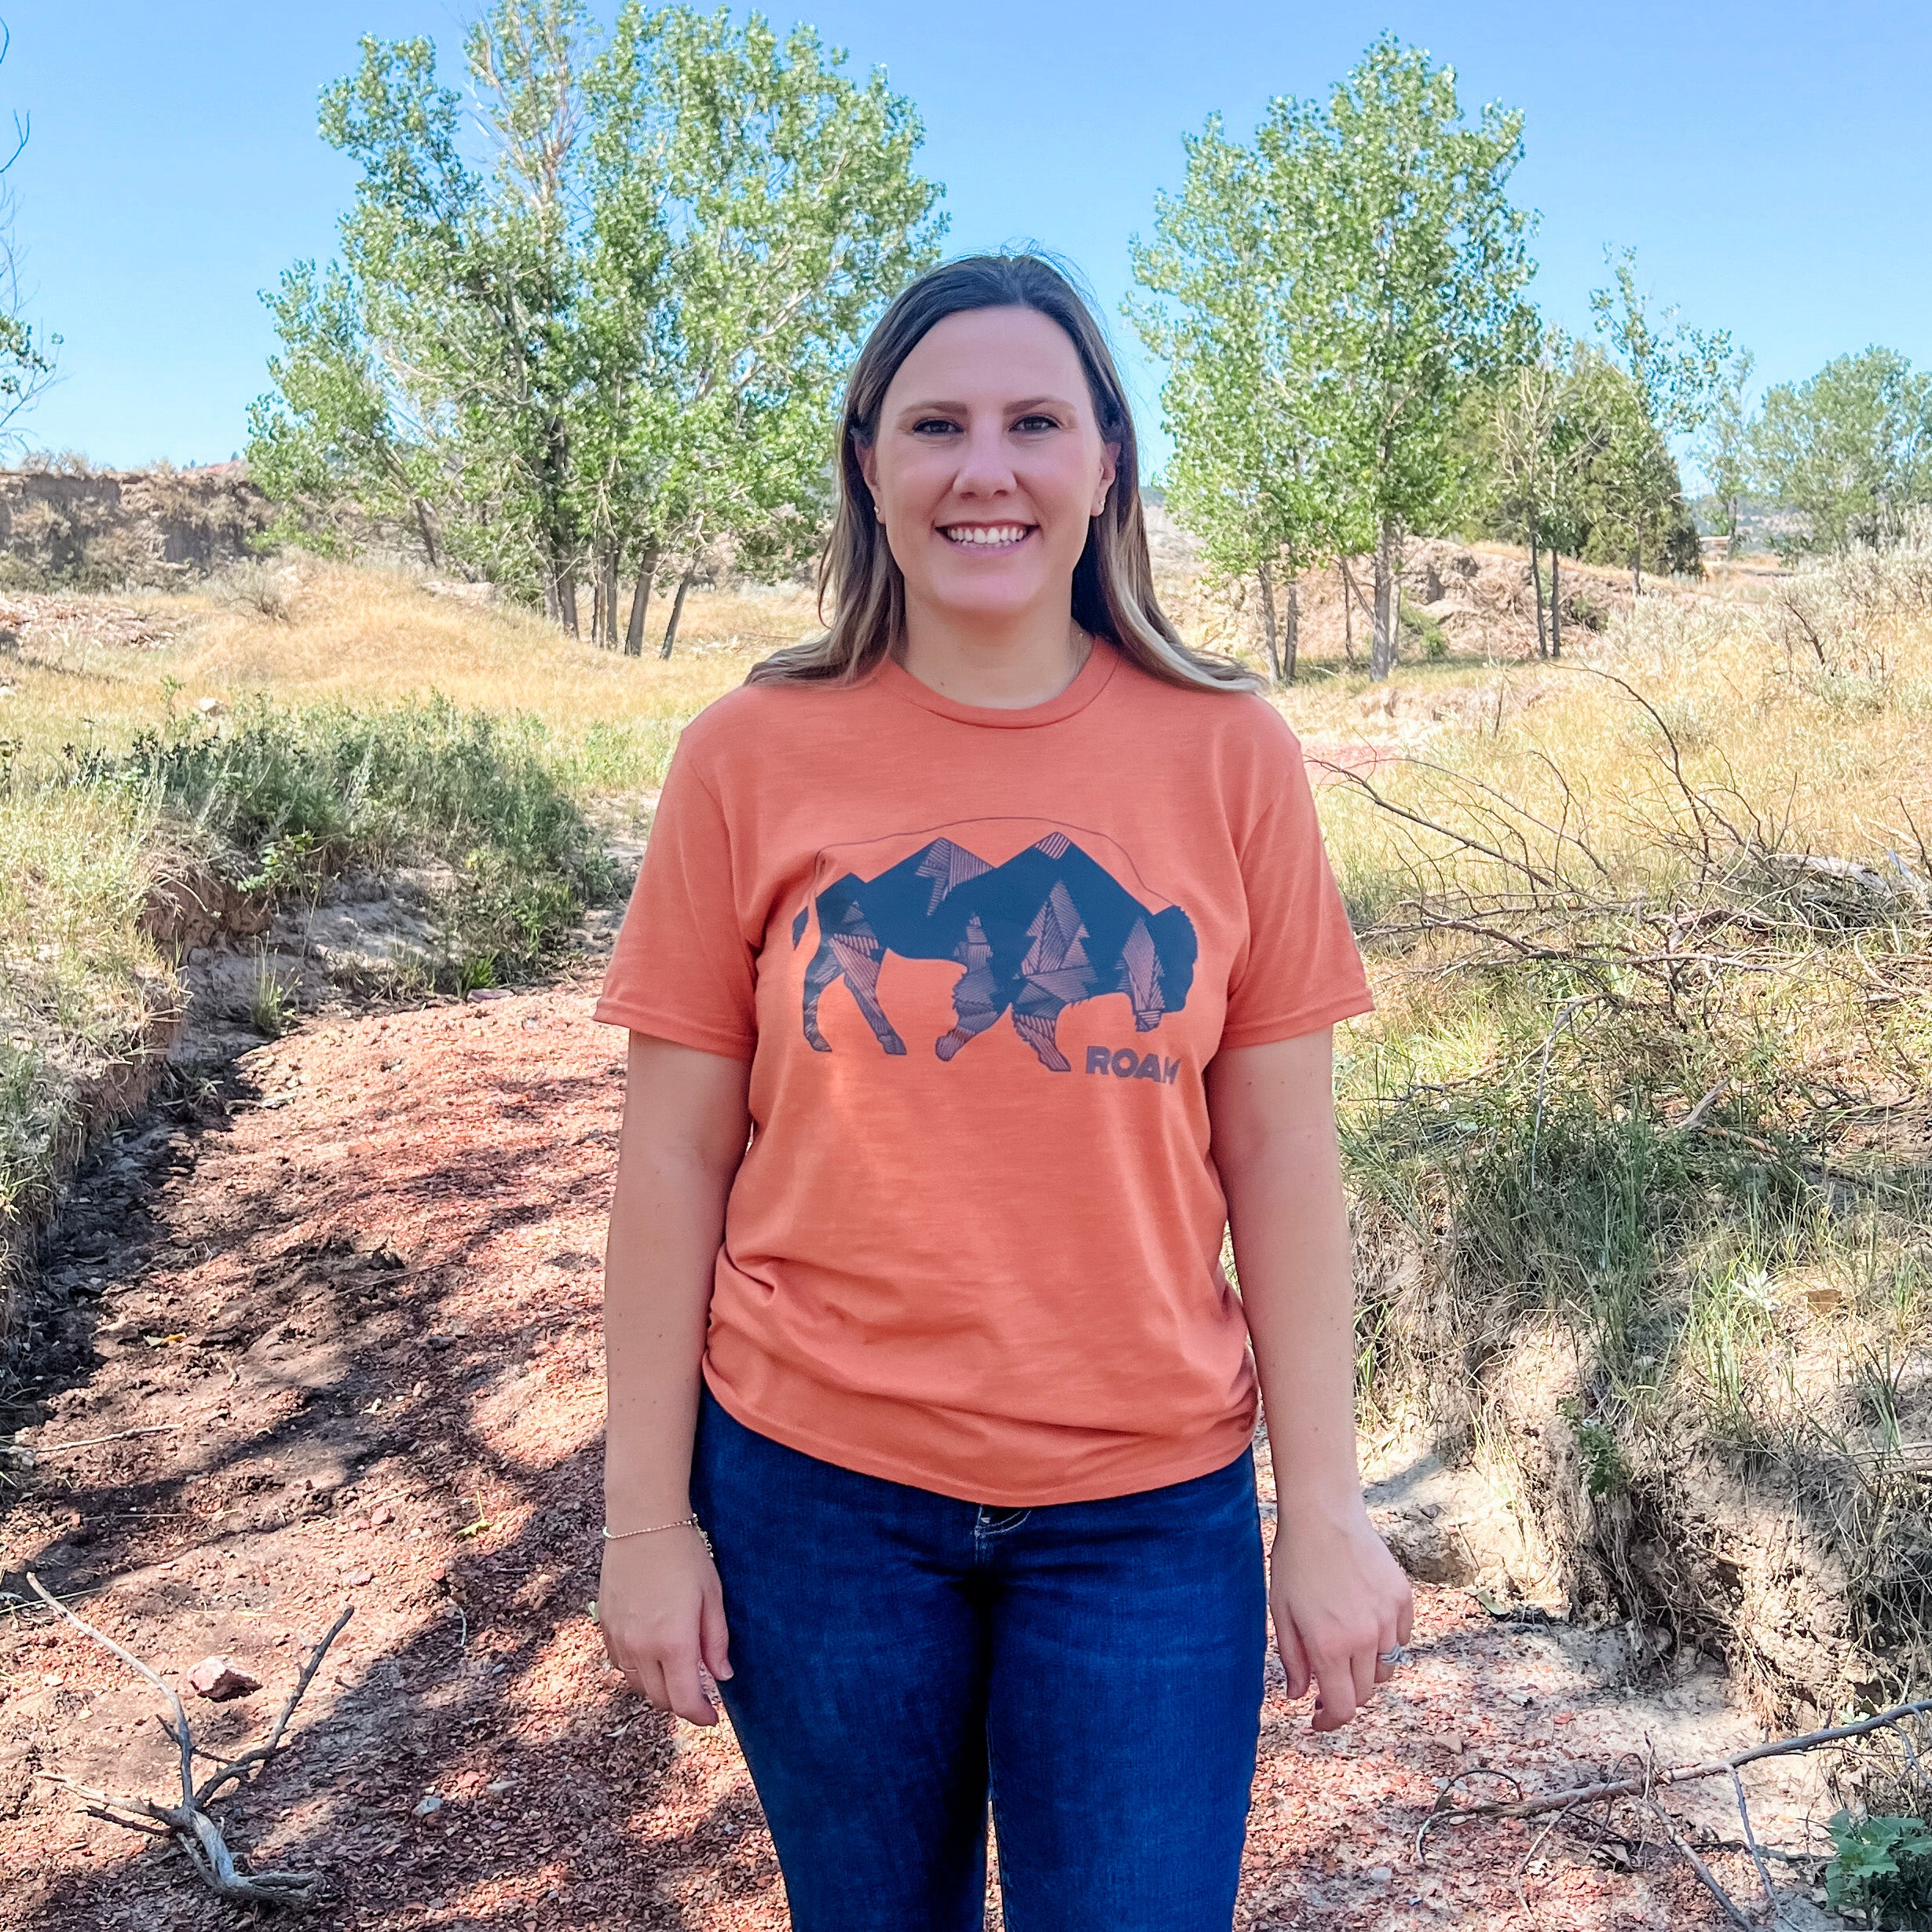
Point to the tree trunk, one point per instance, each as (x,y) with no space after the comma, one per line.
(1556,602)
(425,529)
(1383,646)
(1636,561)
(608,640)
(1536,590)
(597,606)
(640,601)
(553,603)
(677,610)
(1291,649)
(1266,576)
(1349,594)
(567,597)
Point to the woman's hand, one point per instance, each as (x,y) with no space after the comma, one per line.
(662,1610)
(1340,1603)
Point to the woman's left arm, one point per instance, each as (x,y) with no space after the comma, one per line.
(1339,1599)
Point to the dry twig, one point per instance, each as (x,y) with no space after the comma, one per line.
(188,1823)
(1679,1774)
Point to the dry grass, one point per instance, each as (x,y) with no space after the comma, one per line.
(1641,1136)
(364,636)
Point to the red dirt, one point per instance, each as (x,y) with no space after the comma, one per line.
(369,1304)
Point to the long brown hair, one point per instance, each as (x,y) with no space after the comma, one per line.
(1113,580)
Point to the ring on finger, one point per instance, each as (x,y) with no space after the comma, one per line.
(1391,1658)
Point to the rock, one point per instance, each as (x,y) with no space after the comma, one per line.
(1418,1542)
(357,1578)
(428,1803)
(219,1679)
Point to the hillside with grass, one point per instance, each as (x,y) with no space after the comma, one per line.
(1637,1138)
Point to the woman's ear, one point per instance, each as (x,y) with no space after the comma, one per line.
(869,469)
(1110,467)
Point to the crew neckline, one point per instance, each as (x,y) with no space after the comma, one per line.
(1088,683)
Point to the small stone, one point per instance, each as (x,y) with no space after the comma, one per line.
(357,1578)
(384,1514)
(219,1679)
(497,1786)
(1380,1875)
(428,1803)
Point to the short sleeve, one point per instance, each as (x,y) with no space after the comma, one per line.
(682,968)
(1301,970)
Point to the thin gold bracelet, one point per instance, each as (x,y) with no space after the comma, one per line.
(683,1522)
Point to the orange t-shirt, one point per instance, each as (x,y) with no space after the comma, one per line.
(979,961)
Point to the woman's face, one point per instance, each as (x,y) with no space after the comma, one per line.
(988,465)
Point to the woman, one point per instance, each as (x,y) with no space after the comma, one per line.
(999,922)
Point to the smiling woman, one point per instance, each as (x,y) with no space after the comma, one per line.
(929,1445)
(995,363)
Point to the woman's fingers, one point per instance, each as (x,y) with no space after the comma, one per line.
(1294,1658)
(714,1638)
(685,1690)
(1337,1704)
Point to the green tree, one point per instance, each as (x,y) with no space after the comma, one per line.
(1677,375)
(1549,425)
(1337,293)
(787,192)
(1243,400)
(1725,453)
(334,436)
(1848,449)
(1416,301)
(614,338)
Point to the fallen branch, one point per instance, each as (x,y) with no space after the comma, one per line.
(1444,1811)
(188,1823)
(94,1442)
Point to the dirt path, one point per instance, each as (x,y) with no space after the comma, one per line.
(363,1294)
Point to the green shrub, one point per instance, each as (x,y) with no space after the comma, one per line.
(298,795)
(1883,1867)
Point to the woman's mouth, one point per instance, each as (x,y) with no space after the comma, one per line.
(987,538)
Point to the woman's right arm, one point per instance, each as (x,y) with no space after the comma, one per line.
(686,1122)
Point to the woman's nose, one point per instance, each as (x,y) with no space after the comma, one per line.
(984,467)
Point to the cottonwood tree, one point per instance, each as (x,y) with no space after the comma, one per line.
(1724,452)
(1544,430)
(787,194)
(608,341)
(1849,449)
(338,434)
(1416,299)
(1385,265)
(1677,375)
(1230,258)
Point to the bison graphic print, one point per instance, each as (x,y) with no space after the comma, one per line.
(1034,933)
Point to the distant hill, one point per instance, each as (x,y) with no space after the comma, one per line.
(63,523)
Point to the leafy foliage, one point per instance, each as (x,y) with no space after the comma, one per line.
(1850,449)
(611,341)
(1333,296)
(299,794)
(1882,1867)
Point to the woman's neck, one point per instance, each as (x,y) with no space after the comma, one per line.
(1004,667)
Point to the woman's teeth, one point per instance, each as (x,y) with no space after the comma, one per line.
(984,533)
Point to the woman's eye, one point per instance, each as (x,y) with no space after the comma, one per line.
(934,425)
(1034,423)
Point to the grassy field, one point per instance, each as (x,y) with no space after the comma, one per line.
(1639,1138)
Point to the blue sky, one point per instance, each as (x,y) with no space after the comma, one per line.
(1768,161)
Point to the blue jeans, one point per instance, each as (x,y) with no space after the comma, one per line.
(901,1658)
